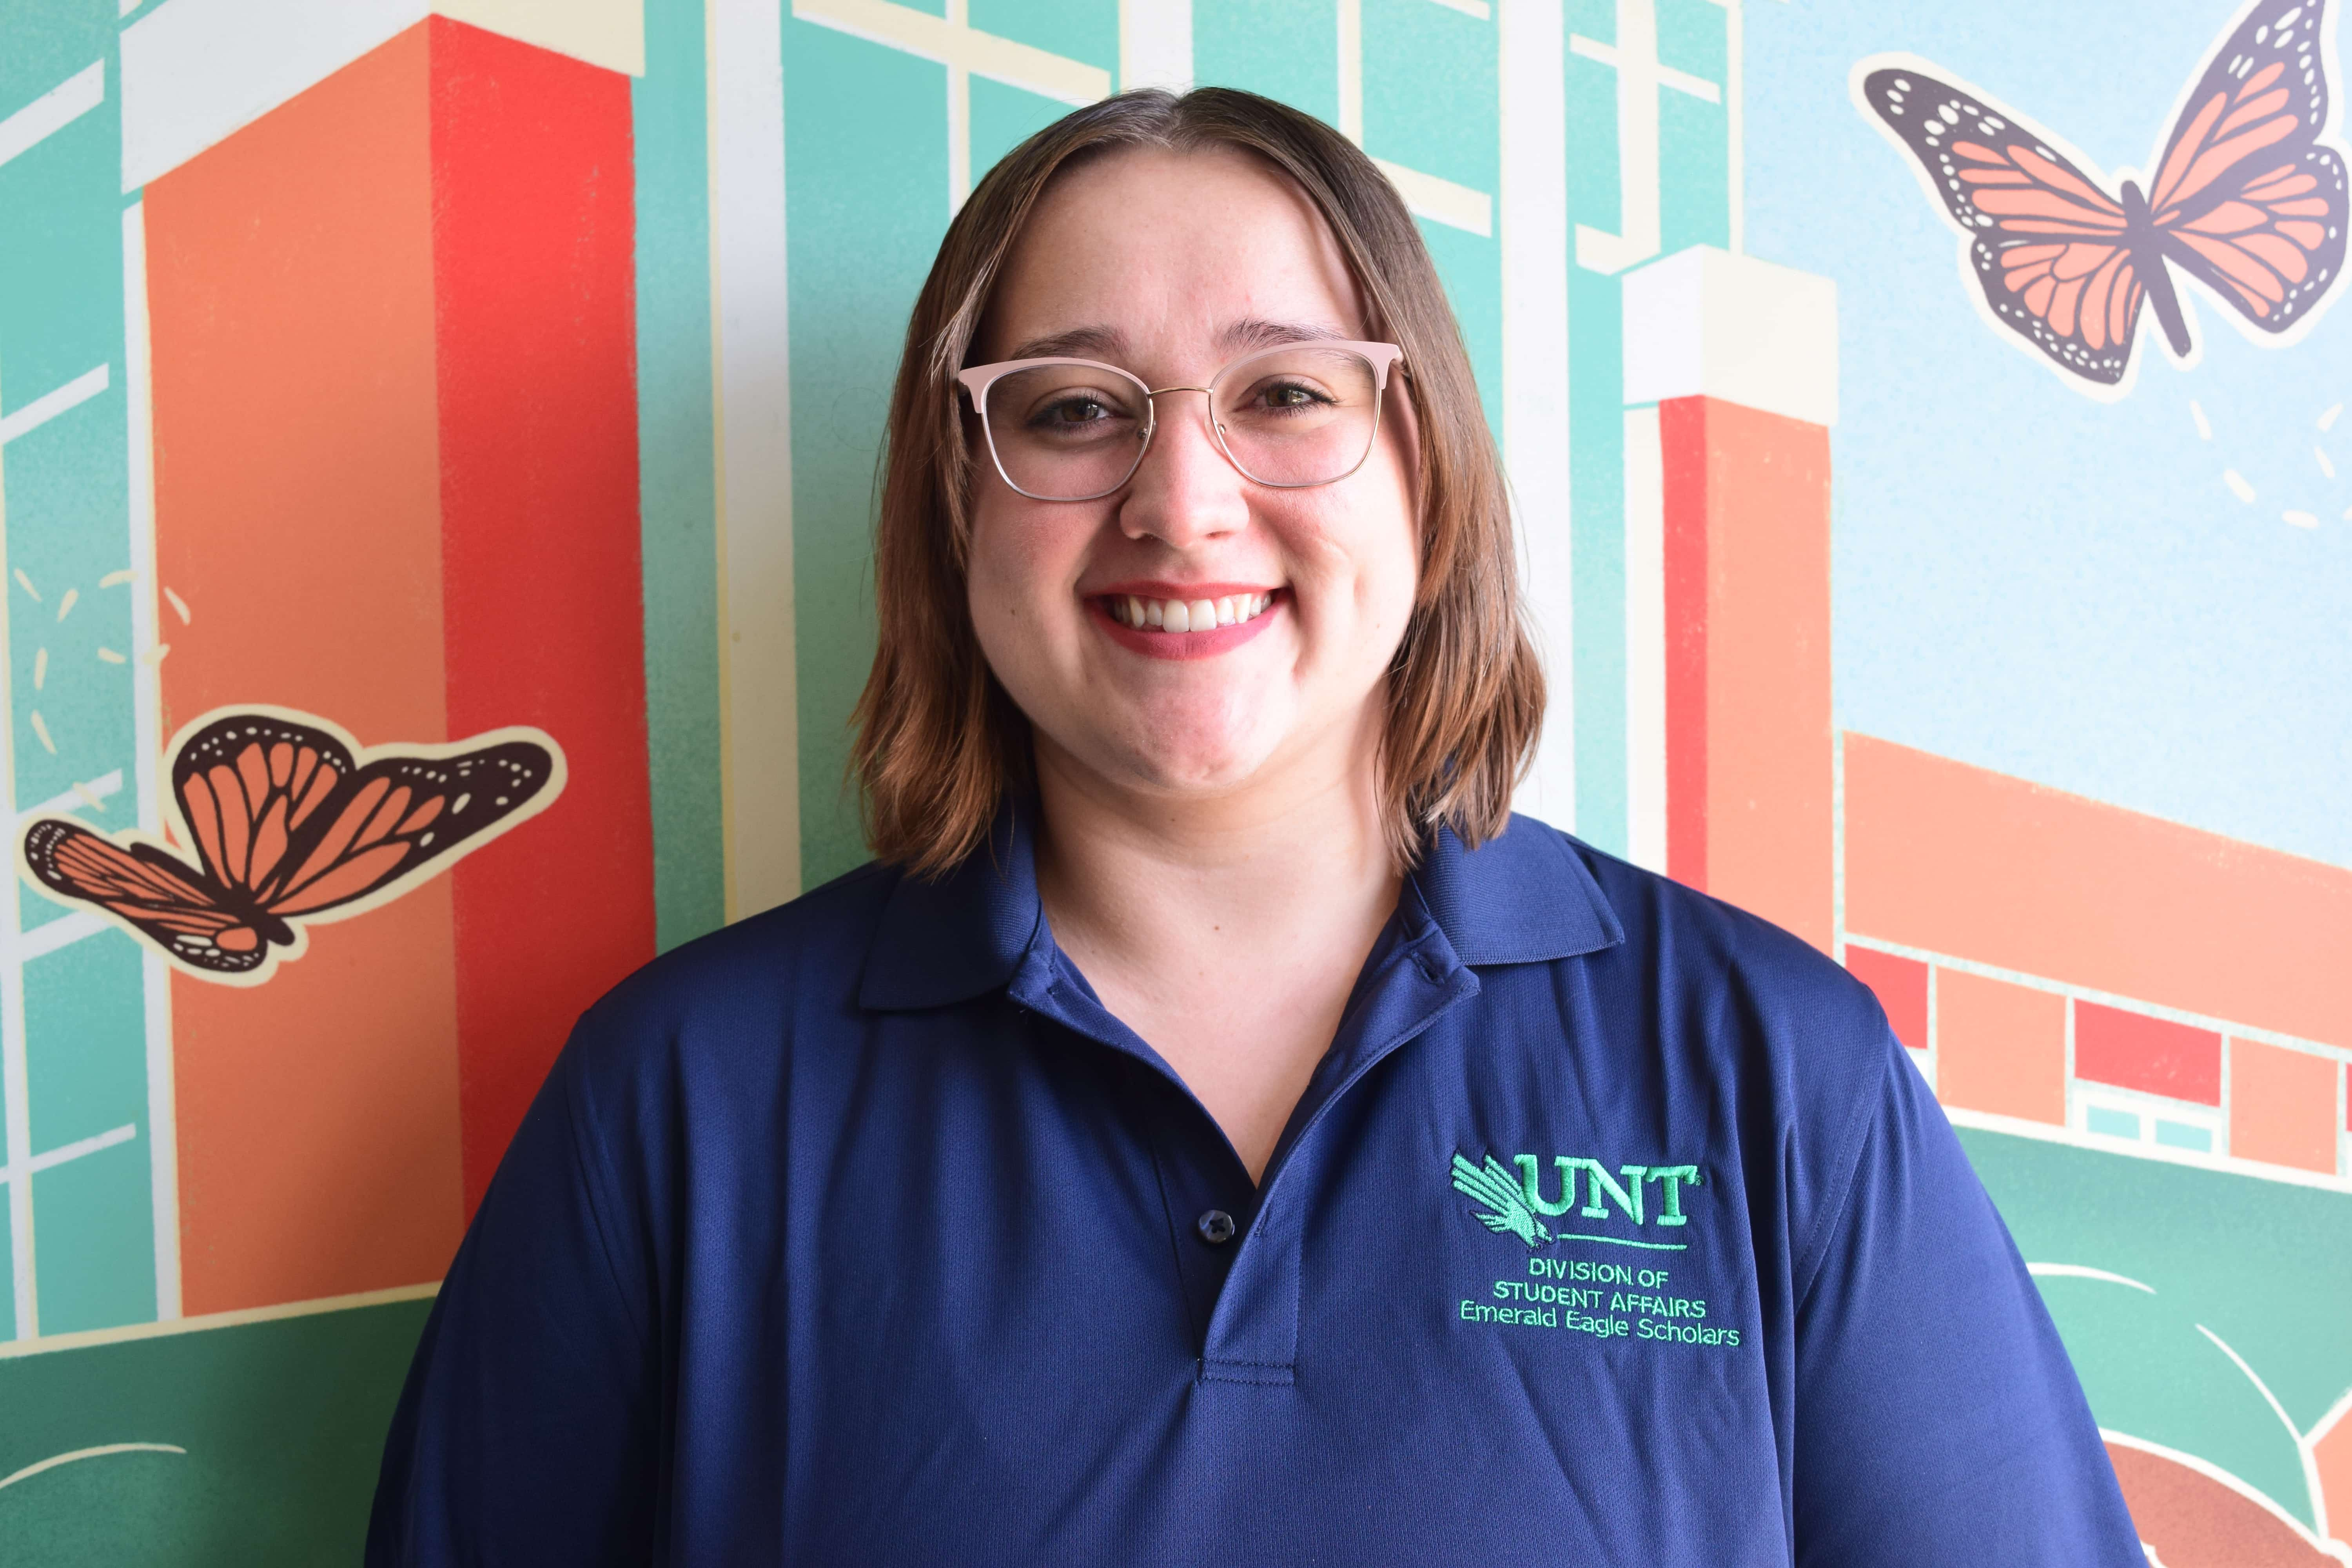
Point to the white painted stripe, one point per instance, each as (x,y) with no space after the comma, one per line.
(2228,1165)
(1477,9)
(607,33)
(1155,44)
(2082,1271)
(105,786)
(1351,29)
(53,111)
(163,1128)
(1735,98)
(959,115)
(759,700)
(1442,201)
(51,935)
(66,1152)
(1534,111)
(196,70)
(101,1451)
(16,1108)
(2105,998)
(88,1338)
(945,40)
(1645,641)
(51,403)
(147,751)
(2326,1423)
(2317,1493)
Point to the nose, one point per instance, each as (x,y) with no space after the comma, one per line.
(1184,491)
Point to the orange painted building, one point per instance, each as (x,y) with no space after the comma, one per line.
(396,471)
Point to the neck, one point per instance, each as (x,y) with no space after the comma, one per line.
(1163,885)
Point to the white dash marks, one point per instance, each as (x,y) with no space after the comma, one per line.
(27,584)
(116,579)
(109,656)
(41,728)
(2204,425)
(40,667)
(2300,519)
(2328,419)
(179,605)
(2326,464)
(66,604)
(2238,486)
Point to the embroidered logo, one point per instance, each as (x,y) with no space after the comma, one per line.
(1514,1205)
(1607,1301)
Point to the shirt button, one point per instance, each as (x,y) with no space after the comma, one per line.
(1216,1228)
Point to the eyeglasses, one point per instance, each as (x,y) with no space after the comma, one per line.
(1076,430)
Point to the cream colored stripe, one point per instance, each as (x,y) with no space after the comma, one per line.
(147,752)
(1442,201)
(101,1451)
(88,1338)
(938,38)
(758,680)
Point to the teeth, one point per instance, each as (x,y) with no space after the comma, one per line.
(1188,614)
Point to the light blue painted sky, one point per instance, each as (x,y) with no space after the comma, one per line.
(2026,579)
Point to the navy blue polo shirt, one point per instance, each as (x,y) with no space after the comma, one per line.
(1615,1227)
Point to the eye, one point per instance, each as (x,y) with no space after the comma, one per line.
(1290,394)
(1073,411)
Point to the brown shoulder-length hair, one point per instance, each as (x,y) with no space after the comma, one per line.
(939,744)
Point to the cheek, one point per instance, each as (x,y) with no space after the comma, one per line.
(1025,563)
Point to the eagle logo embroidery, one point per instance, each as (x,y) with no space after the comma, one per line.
(1506,1209)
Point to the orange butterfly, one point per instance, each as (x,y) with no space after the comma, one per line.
(292,822)
(2248,199)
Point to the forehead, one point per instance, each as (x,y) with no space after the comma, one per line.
(1170,250)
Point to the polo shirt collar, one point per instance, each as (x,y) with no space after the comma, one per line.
(1524,897)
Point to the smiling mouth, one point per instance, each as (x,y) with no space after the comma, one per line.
(1185,616)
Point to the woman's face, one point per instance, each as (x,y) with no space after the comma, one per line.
(1171,266)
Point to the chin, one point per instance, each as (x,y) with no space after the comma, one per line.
(1196,764)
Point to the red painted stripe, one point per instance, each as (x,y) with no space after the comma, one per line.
(1682,438)
(2132,1050)
(534,189)
(1901,984)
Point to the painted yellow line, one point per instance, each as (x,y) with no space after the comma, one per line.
(88,1338)
(54,1461)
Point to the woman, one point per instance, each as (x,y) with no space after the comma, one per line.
(1213,1130)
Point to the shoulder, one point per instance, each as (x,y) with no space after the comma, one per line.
(743,992)
(1732,984)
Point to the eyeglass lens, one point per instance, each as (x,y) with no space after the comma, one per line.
(1299,415)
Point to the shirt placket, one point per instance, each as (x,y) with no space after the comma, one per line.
(1237,1247)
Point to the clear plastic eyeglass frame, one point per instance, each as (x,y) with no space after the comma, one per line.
(1380,357)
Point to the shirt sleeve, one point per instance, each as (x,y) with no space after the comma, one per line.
(526,1429)
(1937,1420)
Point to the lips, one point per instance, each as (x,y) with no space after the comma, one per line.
(1141,621)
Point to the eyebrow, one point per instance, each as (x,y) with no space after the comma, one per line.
(1107,342)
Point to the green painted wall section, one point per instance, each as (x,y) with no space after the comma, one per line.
(65,497)
(2264,1267)
(93,1217)
(866,201)
(282,1424)
(676,475)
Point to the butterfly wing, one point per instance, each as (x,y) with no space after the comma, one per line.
(2247,198)
(2049,250)
(251,785)
(185,914)
(397,819)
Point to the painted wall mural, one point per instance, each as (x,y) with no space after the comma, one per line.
(436,449)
